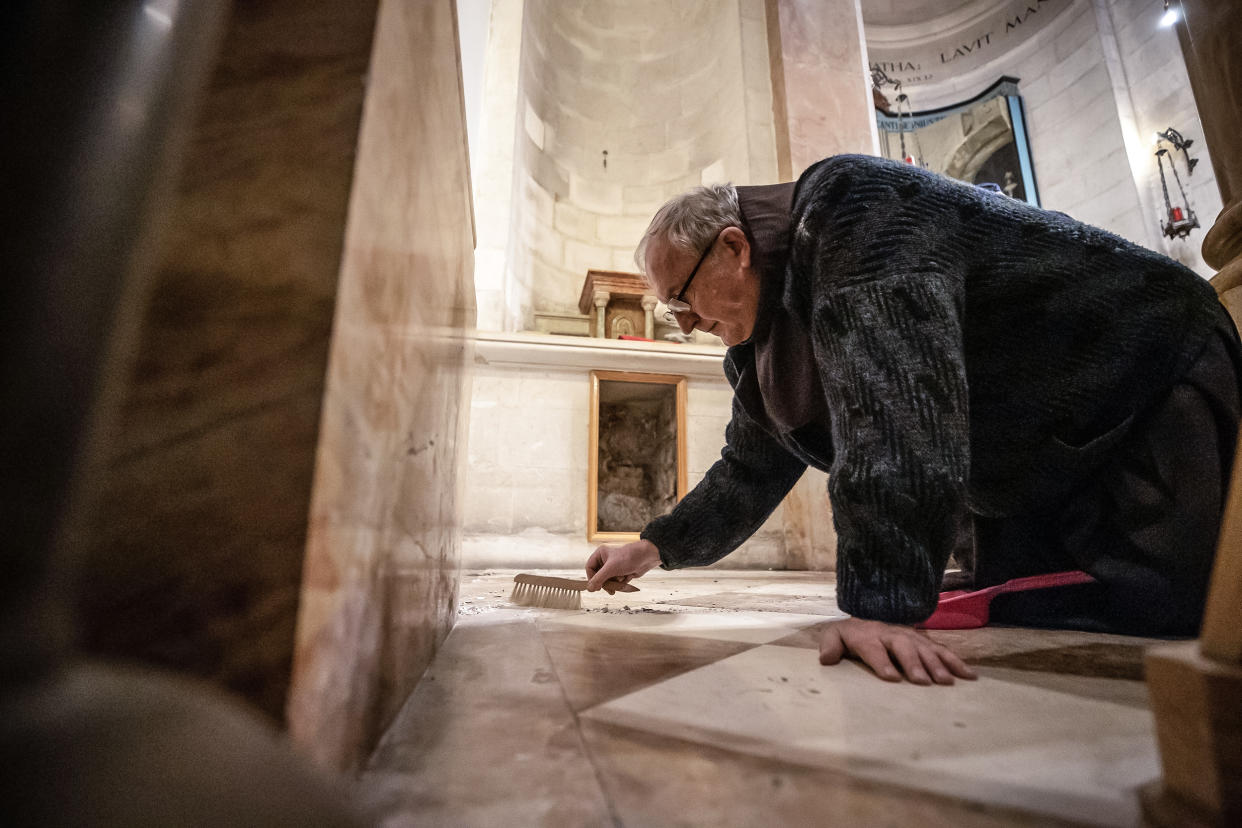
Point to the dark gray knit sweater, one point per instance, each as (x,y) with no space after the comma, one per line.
(972,352)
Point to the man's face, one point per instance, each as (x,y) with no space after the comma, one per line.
(724,294)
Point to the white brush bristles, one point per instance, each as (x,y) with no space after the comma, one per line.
(539,595)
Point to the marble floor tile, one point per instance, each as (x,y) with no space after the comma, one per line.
(595,665)
(748,627)
(659,780)
(763,602)
(1066,651)
(658,708)
(996,740)
(1098,659)
(811,585)
(806,638)
(1130,693)
(997,642)
(487,738)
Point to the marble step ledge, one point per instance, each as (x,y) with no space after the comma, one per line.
(547,350)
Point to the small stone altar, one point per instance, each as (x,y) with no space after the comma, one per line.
(619,304)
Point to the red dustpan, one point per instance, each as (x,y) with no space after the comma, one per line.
(964,609)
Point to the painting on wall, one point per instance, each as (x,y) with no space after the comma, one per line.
(981,141)
(637,452)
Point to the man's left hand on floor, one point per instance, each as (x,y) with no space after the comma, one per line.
(892,650)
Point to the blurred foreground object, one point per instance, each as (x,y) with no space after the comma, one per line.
(99,98)
(97,746)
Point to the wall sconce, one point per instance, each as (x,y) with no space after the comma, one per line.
(1181,218)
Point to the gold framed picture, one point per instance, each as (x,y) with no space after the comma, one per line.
(636,466)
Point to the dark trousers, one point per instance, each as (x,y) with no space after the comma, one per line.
(1145,524)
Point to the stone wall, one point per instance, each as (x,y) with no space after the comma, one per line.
(526,488)
(380,584)
(1154,74)
(1096,83)
(1077,145)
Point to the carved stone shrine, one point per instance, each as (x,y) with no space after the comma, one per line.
(619,304)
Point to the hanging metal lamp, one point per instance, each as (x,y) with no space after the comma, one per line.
(1181,218)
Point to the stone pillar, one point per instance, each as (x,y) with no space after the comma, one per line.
(649,303)
(601,298)
(821,85)
(1196,686)
(494,193)
(822,105)
(806,523)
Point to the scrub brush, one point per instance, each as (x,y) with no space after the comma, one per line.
(557,593)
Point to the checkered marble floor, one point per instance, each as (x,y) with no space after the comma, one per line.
(700,701)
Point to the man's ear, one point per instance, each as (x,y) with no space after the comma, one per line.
(735,239)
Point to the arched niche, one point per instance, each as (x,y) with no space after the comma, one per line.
(980,141)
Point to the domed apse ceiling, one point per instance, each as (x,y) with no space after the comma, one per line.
(623,103)
(644,81)
(924,42)
(901,12)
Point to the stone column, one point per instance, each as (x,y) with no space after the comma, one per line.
(649,303)
(806,524)
(601,311)
(822,105)
(821,86)
(1196,686)
(494,193)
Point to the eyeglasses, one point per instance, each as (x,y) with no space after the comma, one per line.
(678,303)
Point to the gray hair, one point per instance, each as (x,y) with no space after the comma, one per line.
(691,220)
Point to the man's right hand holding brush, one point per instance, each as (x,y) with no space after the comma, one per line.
(623,563)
